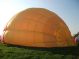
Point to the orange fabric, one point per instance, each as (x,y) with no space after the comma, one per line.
(37,27)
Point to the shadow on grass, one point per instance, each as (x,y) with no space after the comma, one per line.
(55,50)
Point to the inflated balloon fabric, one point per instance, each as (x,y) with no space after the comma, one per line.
(37,27)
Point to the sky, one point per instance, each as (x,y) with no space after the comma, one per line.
(68,10)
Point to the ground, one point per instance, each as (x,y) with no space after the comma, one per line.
(17,52)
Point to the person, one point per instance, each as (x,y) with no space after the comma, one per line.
(1,38)
(77,38)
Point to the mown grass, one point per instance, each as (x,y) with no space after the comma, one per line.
(16,52)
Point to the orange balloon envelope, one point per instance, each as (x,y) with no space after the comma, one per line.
(37,27)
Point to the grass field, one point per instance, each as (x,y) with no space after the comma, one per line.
(16,52)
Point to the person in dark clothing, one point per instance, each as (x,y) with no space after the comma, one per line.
(76,37)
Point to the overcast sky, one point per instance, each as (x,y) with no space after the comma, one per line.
(68,10)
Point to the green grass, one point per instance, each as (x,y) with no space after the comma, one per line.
(16,52)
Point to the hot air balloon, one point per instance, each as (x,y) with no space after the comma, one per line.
(37,27)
